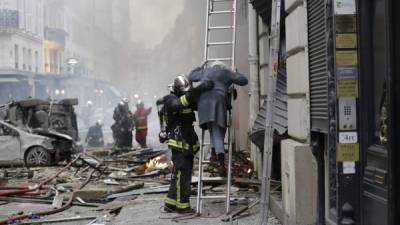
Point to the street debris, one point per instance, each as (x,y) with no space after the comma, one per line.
(77,218)
(107,181)
(235,214)
(16,173)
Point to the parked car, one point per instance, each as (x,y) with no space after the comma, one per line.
(34,146)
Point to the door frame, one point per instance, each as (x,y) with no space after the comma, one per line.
(394,111)
(393,90)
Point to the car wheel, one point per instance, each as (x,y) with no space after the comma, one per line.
(38,156)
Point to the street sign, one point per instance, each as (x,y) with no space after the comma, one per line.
(348,137)
(347,73)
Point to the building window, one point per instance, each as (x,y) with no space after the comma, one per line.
(29,59)
(36,61)
(16,56)
(23,58)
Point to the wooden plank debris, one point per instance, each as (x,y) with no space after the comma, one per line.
(151,190)
(71,219)
(234,214)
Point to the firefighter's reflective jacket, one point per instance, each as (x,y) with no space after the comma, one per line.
(177,113)
(140,118)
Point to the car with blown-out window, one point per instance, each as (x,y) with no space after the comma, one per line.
(34,147)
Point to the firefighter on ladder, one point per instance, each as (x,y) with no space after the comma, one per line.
(140,120)
(214,104)
(176,112)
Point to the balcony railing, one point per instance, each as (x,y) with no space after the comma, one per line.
(9,18)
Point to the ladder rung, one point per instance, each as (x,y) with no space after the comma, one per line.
(221,43)
(213,197)
(222,12)
(272,36)
(222,0)
(220,27)
(220,59)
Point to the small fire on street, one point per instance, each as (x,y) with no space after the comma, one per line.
(157,163)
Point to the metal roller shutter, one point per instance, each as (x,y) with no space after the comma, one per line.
(318,65)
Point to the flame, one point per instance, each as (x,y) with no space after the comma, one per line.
(155,164)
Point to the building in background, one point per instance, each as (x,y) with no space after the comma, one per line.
(55,35)
(21,47)
(21,27)
(94,33)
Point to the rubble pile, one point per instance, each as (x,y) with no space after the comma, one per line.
(89,180)
(104,180)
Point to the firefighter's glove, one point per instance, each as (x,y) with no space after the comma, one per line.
(163,136)
(234,94)
(196,92)
(160,101)
(206,85)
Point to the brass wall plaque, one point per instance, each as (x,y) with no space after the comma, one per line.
(346,40)
(348,152)
(346,24)
(346,58)
(347,88)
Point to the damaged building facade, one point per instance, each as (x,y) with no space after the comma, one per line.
(338,163)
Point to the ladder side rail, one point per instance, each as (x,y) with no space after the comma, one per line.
(231,131)
(234,25)
(271,97)
(200,175)
(207,30)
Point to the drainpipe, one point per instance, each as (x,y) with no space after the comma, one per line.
(254,81)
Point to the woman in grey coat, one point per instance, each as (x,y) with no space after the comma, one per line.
(213,105)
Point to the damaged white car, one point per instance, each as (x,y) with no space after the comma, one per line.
(35,147)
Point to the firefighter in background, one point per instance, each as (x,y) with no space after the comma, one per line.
(87,113)
(123,125)
(140,120)
(176,112)
(95,138)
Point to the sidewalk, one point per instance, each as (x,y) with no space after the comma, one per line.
(147,210)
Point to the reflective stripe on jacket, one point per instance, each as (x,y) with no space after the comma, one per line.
(140,118)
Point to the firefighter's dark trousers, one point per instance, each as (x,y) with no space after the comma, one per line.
(179,191)
(124,140)
(140,136)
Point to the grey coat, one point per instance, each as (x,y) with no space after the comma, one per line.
(212,105)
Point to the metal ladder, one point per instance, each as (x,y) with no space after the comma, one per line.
(215,8)
(269,114)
